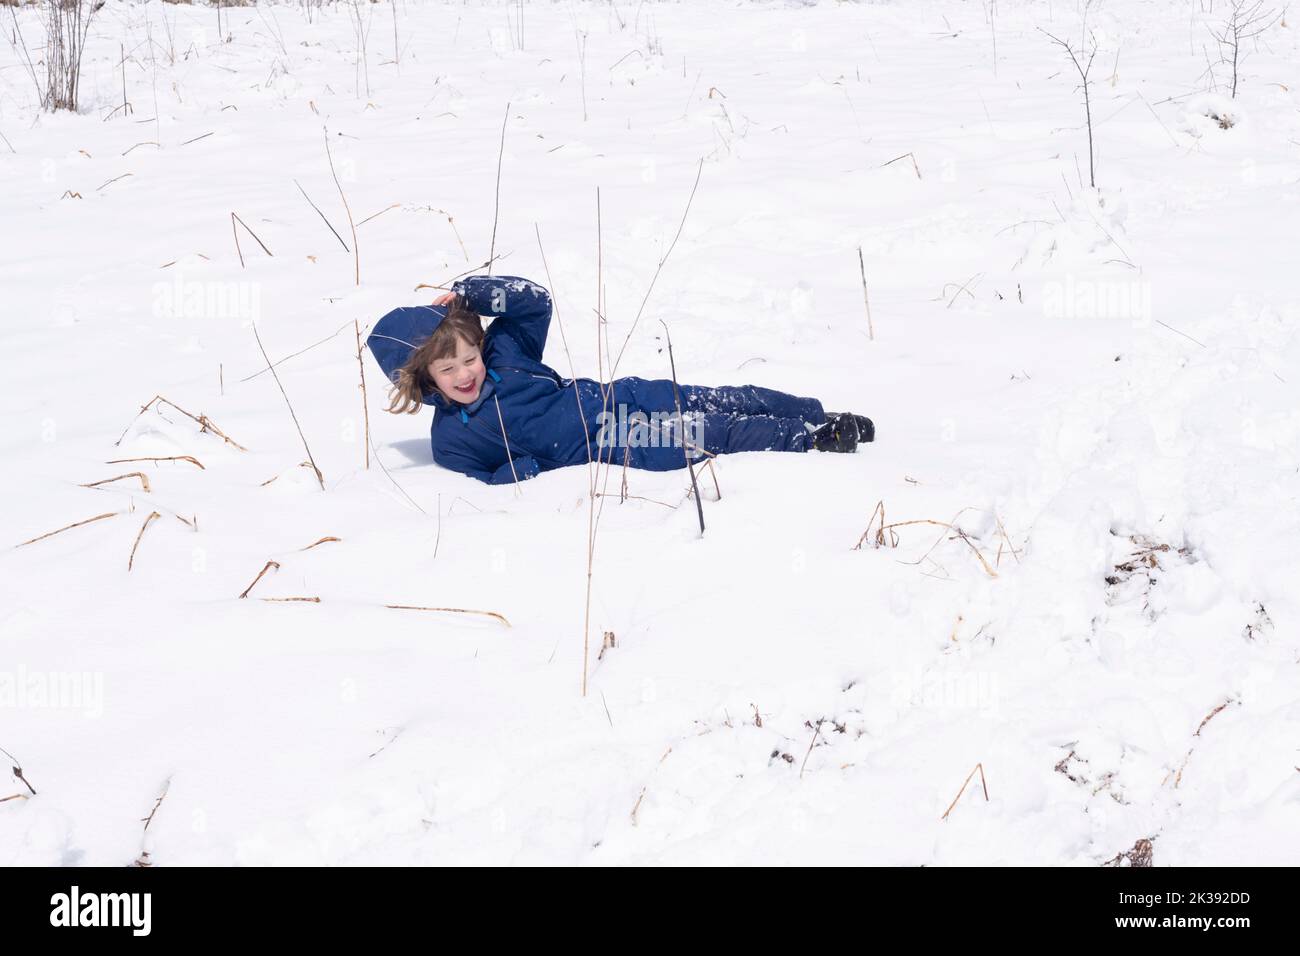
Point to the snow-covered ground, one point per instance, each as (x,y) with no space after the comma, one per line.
(1105,381)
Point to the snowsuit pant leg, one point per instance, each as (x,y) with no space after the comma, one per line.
(650,395)
(751,400)
(721,420)
(714,433)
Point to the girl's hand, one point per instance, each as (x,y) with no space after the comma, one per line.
(444,299)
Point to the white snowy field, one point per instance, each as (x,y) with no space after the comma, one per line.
(1104,380)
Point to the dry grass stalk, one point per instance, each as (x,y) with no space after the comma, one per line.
(263,371)
(1178,773)
(168,265)
(641,795)
(446,285)
(15,796)
(623,489)
(1140,855)
(453,610)
(396,205)
(592,476)
(1007,538)
(157,803)
(496,202)
(130,474)
(265,568)
(877,513)
(113,180)
(677,402)
(321,541)
(130,561)
(708,461)
(235,219)
(451,221)
(983,783)
(1210,716)
(958,534)
(322,215)
(206,424)
(862,268)
(509,457)
(301,464)
(595,509)
(812,743)
(880,539)
(292,414)
(310,600)
(356,248)
(904,156)
(189,458)
(18,770)
(607,642)
(614,369)
(625,497)
(365,403)
(75,524)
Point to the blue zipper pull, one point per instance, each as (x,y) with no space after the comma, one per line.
(463,417)
(495,376)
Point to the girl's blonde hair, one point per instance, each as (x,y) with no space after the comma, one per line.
(406,395)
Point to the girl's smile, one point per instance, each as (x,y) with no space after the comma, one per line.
(459,377)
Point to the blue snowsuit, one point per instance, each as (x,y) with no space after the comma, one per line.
(526,406)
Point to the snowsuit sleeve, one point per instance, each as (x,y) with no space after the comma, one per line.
(526,467)
(519,308)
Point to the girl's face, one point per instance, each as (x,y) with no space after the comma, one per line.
(459,377)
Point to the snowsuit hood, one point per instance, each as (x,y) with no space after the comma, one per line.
(400,333)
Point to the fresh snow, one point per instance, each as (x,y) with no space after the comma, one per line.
(1099,379)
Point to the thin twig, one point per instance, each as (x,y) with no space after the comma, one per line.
(862,268)
(322,215)
(983,783)
(75,524)
(130,474)
(263,371)
(915,167)
(131,560)
(365,404)
(319,477)
(812,743)
(614,368)
(496,204)
(265,568)
(235,219)
(453,610)
(356,248)
(203,420)
(189,458)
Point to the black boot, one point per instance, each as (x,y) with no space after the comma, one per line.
(866,429)
(838,434)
